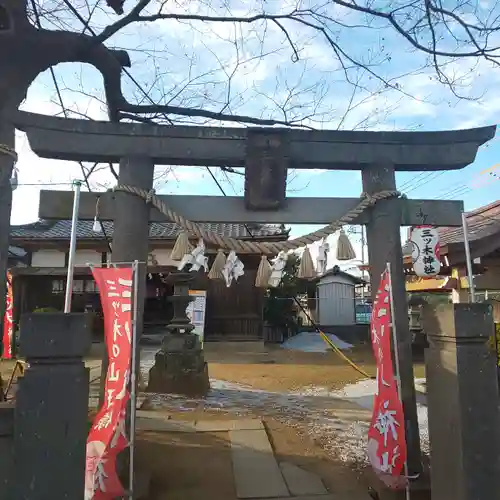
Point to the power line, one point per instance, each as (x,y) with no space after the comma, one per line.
(425,180)
(22,184)
(409,182)
(460,191)
(451,189)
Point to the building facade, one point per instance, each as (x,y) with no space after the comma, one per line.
(233,313)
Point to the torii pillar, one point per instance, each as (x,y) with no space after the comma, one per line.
(377,154)
(6,166)
(386,220)
(131,233)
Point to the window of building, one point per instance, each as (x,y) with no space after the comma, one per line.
(91,287)
(58,286)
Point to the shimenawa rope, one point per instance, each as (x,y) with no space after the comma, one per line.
(6,150)
(266,248)
(247,246)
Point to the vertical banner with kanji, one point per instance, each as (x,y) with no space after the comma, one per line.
(386,436)
(107,437)
(8,324)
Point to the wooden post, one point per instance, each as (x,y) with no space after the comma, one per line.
(384,245)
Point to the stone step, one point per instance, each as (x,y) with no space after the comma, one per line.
(246,424)
(153,420)
(330,496)
(256,472)
(300,481)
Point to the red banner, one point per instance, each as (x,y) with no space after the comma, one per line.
(107,437)
(386,436)
(8,324)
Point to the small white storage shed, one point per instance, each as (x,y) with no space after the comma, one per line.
(335,304)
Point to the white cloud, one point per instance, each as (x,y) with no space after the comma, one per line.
(188,64)
(37,173)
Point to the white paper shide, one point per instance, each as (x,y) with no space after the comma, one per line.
(277,269)
(233,268)
(196,259)
(321,260)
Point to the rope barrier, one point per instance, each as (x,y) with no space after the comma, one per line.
(329,343)
(19,366)
(7,150)
(248,246)
(342,355)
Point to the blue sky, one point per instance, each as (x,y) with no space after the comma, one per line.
(248,69)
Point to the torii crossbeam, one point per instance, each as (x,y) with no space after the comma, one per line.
(266,154)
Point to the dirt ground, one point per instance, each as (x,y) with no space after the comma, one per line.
(282,370)
(184,465)
(275,369)
(192,466)
(289,446)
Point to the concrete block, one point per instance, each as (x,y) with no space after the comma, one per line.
(256,472)
(158,425)
(301,481)
(46,335)
(229,425)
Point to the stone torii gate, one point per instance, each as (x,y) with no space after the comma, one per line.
(266,154)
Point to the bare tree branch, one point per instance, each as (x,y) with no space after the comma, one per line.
(462,31)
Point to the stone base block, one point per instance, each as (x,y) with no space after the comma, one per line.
(180,367)
(187,383)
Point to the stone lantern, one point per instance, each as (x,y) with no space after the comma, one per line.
(180,366)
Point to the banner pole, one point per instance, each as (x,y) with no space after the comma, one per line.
(468,259)
(396,361)
(133,377)
(72,247)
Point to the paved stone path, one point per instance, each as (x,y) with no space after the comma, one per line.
(340,426)
(257,474)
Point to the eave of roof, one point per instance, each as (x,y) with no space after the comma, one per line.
(60,231)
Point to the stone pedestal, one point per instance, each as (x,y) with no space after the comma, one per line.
(51,410)
(6,449)
(180,366)
(420,489)
(463,404)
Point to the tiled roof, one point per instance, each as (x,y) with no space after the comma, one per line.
(338,272)
(61,230)
(481,223)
